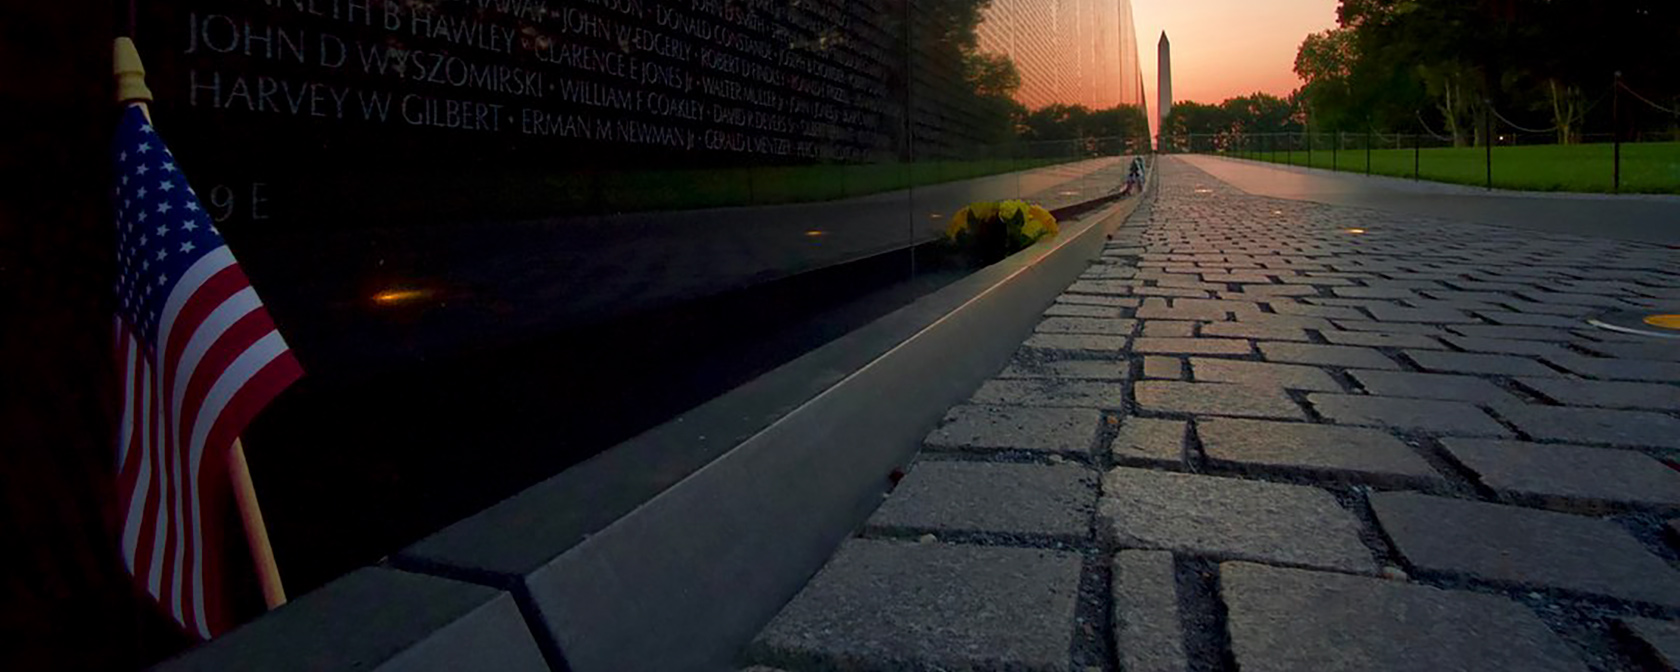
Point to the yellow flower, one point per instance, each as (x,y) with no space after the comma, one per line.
(983,210)
(1033,229)
(958,225)
(1046,220)
(1038,212)
(1007,210)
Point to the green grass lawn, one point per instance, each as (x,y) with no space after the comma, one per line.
(1648,167)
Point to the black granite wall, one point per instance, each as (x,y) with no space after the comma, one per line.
(452,208)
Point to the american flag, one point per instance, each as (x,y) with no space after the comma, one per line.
(198,357)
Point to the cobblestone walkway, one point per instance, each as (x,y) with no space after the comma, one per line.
(1275,435)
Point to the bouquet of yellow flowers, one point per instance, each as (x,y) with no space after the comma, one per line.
(997,229)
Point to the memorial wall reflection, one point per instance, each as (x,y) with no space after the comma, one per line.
(426,192)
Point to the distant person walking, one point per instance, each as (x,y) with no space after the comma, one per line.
(1134,177)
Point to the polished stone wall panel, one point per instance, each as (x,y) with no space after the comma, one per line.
(444,204)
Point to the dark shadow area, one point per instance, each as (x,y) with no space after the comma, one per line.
(352,468)
(501,237)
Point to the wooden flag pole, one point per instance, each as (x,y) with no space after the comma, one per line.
(256,533)
(132,89)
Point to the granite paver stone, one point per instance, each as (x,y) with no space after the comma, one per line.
(1524,547)
(1594,425)
(1446,417)
(1148,632)
(1051,392)
(1567,477)
(1263,374)
(1290,620)
(1027,500)
(1232,518)
(1085,325)
(1607,394)
(1170,396)
(1150,441)
(1091,369)
(902,605)
(1077,344)
(1326,355)
(1340,453)
(1056,430)
(1479,364)
(1442,386)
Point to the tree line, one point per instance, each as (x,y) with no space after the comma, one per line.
(1442,67)
(994,80)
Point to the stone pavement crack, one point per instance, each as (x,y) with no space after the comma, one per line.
(1278,435)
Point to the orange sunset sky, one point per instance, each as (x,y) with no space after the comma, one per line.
(1225,48)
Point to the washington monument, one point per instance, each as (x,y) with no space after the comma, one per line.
(1163,85)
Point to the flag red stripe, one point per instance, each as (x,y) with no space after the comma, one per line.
(151,532)
(172,497)
(236,340)
(136,463)
(251,398)
(199,305)
(129,470)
